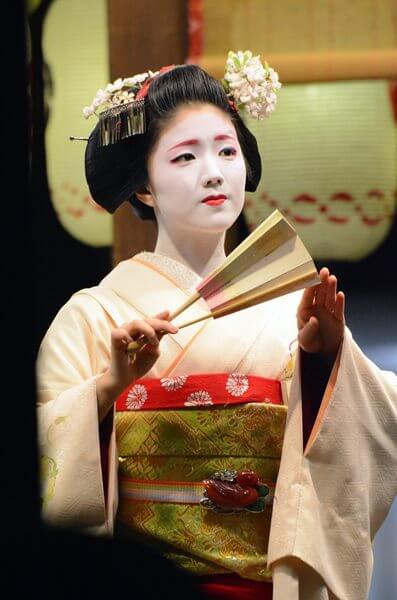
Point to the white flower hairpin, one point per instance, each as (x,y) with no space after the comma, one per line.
(120,92)
(250,84)
(120,107)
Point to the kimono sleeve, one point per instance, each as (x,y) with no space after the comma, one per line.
(73,494)
(332,496)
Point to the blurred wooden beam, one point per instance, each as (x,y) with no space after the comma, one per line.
(142,35)
(303,67)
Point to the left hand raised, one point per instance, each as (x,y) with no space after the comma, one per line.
(321,319)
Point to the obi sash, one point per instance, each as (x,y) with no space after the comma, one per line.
(176,432)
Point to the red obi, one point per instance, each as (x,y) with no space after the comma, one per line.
(199,390)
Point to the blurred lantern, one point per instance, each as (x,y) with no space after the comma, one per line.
(75,49)
(329,165)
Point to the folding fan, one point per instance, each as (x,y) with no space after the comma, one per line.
(270,262)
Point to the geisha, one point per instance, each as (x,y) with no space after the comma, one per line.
(256,451)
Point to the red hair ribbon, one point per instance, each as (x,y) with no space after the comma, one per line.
(233,105)
(145,88)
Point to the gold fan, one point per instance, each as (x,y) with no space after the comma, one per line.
(270,262)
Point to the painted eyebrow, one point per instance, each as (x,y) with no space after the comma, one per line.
(194,142)
(224,137)
(186,143)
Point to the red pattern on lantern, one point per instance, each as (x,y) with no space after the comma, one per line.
(321,211)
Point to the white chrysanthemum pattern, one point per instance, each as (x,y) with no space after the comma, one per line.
(137,397)
(237,384)
(199,398)
(170,384)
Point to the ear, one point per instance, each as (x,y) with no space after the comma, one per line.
(146,196)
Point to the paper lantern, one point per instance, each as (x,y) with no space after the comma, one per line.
(329,165)
(76,52)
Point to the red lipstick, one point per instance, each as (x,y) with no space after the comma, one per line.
(215,200)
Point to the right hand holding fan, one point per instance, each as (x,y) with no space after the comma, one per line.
(321,318)
(122,369)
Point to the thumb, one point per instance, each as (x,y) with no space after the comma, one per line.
(163,315)
(309,332)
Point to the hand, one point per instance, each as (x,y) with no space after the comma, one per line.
(321,319)
(123,370)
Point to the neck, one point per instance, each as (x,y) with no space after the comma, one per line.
(201,252)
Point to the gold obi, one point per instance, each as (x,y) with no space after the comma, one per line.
(189,445)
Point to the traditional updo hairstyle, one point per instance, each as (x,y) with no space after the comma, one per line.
(116,172)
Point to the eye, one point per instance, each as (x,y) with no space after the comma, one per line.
(186,157)
(229,151)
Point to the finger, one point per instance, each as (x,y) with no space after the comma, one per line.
(339,311)
(308,297)
(331,293)
(138,329)
(120,338)
(308,333)
(324,274)
(160,325)
(321,291)
(303,316)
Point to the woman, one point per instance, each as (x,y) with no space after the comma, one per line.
(201,417)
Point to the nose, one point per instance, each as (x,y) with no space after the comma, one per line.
(212,180)
(212,177)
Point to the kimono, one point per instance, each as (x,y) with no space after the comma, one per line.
(326,500)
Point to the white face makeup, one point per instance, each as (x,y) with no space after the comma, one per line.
(197,172)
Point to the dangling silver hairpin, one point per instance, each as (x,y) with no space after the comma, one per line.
(120,108)
(120,122)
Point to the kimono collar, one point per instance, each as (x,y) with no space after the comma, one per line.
(180,273)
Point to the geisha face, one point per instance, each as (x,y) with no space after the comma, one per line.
(197,172)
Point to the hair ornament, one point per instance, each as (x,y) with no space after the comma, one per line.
(250,84)
(120,107)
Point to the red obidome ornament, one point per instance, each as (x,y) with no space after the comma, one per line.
(234,491)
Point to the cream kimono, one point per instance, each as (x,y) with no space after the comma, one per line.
(330,498)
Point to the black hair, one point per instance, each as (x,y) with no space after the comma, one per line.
(115,173)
